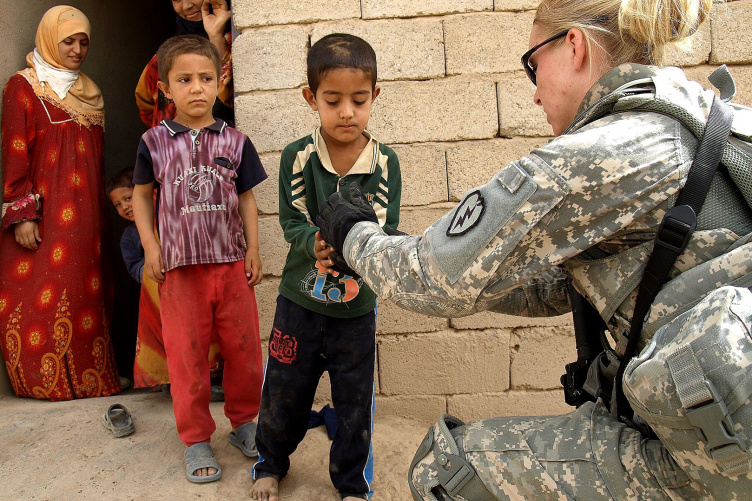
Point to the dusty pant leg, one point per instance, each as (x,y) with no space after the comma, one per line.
(584,455)
(187,313)
(292,373)
(237,327)
(350,351)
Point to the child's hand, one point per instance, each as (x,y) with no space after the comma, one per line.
(27,234)
(253,267)
(215,21)
(322,250)
(153,262)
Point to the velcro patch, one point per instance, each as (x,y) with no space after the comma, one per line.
(459,237)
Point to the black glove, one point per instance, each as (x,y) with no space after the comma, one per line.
(341,265)
(337,217)
(393,232)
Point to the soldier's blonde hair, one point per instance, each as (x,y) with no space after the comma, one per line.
(628,31)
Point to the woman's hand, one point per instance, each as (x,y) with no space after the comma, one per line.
(27,235)
(216,20)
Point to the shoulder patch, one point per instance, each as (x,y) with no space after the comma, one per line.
(467,215)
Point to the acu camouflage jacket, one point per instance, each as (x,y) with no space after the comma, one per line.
(585,207)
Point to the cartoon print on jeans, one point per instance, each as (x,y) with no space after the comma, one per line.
(330,288)
(283,347)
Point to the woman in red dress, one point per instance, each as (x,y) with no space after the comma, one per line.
(55,327)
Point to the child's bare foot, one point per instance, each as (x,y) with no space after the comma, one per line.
(265,489)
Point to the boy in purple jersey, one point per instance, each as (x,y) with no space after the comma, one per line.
(207,257)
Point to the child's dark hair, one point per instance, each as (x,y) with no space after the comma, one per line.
(121,179)
(185,44)
(340,50)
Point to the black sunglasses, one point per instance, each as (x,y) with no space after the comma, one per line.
(529,70)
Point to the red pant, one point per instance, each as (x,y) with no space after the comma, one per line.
(193,299)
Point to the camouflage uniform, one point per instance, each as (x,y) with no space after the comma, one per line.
(585,208)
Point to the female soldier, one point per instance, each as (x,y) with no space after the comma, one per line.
(581,210)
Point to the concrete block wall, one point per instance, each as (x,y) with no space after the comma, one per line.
(456,107)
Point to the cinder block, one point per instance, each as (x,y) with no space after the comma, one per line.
(425,409)
(691,51)
(742,76)
(276,58)
(473,163)
(731,34)
(416,220)
(405,50)
(444,362)
(273,248)
(538,356)
(250,13)
(423,169)
(451,109)
(512,403)
(267,192)
(273,119)
(488,320)
(518,114)
(392,319)
(516,5)
(266,301)
(486,43)
(407,8)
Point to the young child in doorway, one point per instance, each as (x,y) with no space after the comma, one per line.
(207,256)
(326,322)
(150,364)
(119,190)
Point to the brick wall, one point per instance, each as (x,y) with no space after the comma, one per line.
(456,107)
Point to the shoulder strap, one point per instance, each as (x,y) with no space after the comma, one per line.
(674,232)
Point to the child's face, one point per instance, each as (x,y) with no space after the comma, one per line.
(343,101)
(192,85)
(188,9)
(121,199)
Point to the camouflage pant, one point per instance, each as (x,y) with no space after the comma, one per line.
(590,455)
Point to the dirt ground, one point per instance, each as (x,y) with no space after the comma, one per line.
(53,451)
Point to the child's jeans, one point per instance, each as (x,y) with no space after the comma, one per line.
(194,298)
(302,346)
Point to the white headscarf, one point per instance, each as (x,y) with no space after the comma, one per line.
(60,80)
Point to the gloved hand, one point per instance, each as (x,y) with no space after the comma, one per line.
(337,217)
(341,265)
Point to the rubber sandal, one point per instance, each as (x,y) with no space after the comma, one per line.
(199,456)
(245,439)
(118,420)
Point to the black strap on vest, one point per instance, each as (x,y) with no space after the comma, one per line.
(674,233)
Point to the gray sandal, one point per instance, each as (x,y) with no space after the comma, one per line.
(118,420)
(199,456)
(245,439)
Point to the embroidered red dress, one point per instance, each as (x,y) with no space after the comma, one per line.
(55,327)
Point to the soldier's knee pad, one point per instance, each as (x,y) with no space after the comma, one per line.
(439,470)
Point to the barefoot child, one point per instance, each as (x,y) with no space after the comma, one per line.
(208,261)
(326,322)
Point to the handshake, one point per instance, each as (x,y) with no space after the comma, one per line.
(337,217)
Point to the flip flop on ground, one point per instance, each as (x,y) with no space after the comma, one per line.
(245,439)
(199,456)
(118,420)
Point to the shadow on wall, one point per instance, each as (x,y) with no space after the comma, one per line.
(124,37)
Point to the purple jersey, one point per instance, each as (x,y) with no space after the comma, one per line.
(200,173)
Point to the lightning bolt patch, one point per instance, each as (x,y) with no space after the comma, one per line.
(467,215)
